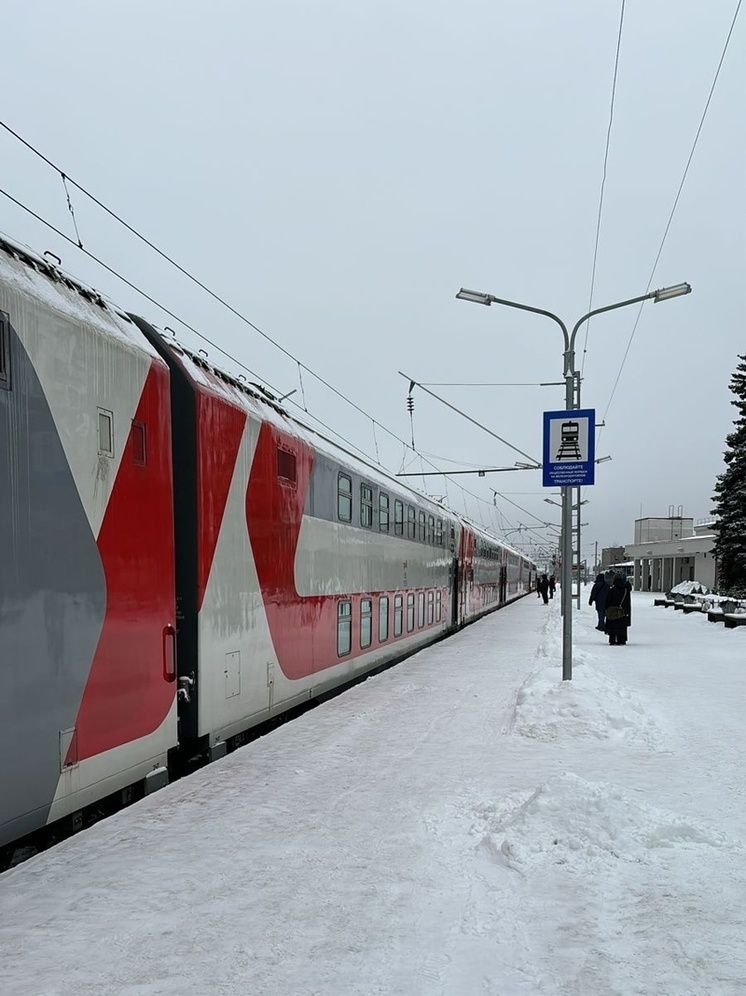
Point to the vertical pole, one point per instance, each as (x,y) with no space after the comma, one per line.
(566,584)
(576,404)
(567,540)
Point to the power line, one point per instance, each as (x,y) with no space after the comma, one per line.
(220,349)
(68,179)
(301,366)
(675,203)
(603,180)
(473,421)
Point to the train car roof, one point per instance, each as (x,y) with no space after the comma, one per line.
(46,282)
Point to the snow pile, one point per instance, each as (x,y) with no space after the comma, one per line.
(569,820)
(592,705)
(689,588)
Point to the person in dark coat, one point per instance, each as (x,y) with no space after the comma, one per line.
(542,586)
(618,611)
(552,585)
(599,591)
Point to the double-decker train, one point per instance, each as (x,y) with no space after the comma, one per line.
(181,561)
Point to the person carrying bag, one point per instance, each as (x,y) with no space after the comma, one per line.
(618,612)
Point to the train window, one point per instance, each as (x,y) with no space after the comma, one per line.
(438,605)
(422,526)
(139,453)
(344,628)
(421,609)
(383,619)
(366,622)
(410,613)
(398,517)
(383,512)
(344,498)
(4,351)
(398,614)
(411,523)
(105,432)
(439,532)
(453,538)
(286,468)
(431,529)
(366,506)
(430,607)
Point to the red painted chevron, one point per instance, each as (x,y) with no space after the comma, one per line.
(127,694)
(220,428)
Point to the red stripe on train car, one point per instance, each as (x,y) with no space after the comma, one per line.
(126,696)
(220,428)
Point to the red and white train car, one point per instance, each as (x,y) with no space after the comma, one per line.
(182,560)
(87,612)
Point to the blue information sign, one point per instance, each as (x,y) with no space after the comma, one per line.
(569,448)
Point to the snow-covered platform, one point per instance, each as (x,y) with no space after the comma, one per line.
(464,823)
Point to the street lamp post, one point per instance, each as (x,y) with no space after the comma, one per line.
(572,400)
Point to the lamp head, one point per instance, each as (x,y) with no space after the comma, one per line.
(476,297)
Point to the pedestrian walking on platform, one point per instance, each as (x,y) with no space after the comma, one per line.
(552,585)
(618,611)
(599,593)
(542,586)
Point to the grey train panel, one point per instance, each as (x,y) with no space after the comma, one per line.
(52,599)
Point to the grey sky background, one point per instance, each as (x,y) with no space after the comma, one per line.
(337,170)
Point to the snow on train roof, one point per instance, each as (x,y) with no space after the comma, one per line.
(36,277)
(265,405)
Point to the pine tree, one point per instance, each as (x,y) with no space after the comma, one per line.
(730,497)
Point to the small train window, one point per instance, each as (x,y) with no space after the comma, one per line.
(421,609)
(422,526)
(431,529)
(410,612)
(398,614)
(411,523)
(366,506)
(438,605)
(344,628)
(344,498)
(383,619)
(430,607)
(439,532)
(398,517)
(383,512)
(366,622)
(105,432)
(286,468)
(139,453)
(4,351)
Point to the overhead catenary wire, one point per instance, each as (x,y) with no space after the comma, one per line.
(675,202)
(301,366)
(603,179)
(190,276)
(333,432)
(459,411)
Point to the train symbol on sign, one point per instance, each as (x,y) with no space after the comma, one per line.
(569,448)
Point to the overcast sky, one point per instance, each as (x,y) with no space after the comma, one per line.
(337,170)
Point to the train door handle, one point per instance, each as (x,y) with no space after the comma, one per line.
(169,653)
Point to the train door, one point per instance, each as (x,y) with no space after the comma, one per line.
(466,585)
(454,582)
(503,582)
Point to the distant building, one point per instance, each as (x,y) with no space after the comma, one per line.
(669,550)
(612,556)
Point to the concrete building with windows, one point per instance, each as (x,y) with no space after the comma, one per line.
(672,549)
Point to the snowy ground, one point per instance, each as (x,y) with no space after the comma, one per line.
(464,825)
